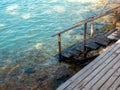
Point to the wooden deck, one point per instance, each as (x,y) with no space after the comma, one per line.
(103,73)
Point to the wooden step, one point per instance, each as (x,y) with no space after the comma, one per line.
(102,43)
(102,40)
(115,35)
(75,52)
(110,32)
(92,45)
(66,55)
(80,48)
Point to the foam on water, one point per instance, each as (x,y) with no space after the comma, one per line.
(2,25)
(54,0)
(9,31)
(38,45)
(12,9)
(26,16)
(59,9)
(48,12)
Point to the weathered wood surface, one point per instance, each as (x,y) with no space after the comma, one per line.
(115,35)
(91,44)
(103,73)
(102,40)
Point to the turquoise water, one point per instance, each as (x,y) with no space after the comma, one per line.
(26,27)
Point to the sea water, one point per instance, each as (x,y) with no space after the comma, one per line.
(26,27)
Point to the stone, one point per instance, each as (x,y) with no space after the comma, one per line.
(43,78)
(29,70)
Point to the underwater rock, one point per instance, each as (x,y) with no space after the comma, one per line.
(61,73)
(29,70)
(43,78)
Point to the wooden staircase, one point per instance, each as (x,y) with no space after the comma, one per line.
(95,43)
(76,51)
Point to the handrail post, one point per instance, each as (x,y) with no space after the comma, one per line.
(85,32)
(59,46)
(115,18)
(92,30)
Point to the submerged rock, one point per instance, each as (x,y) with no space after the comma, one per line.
(61,73)
(29,70)
(43,78)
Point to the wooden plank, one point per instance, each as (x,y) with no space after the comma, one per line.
(91,69)
(81,72)
(107,75)
(92,45)
(111,31)
(115,35)
(111,80)
(101,74)
(115,85)
(75,52)
(102,40)
(66,55)
(80,49)
(118,88)
(97,73)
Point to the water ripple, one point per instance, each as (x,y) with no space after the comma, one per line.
(27,25)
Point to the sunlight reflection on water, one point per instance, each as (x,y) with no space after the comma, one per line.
(27,26)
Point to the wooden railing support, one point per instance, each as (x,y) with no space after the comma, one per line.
(115,18)
(92,30)
(85,34)
(59,46)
